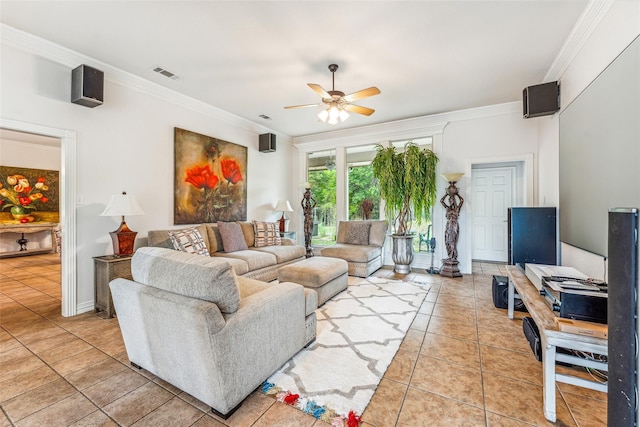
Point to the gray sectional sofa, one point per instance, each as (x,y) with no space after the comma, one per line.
(256,263)
(193,322)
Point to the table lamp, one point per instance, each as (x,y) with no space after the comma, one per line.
(123,238)
(283,206)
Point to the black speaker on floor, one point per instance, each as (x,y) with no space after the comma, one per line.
(267,143)
(500,291)
(622,317)
(541,100)
(87,86)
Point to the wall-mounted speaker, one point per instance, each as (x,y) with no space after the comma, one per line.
(87,86)
(267,143)
(541,100)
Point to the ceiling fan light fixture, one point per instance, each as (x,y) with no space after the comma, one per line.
(343,115)
(323,115)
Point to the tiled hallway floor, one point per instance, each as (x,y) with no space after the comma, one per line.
(462,363)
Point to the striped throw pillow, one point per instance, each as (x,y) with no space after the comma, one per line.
(267,233)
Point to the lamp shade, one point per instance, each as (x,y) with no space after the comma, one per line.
(283,206)
(452,177)
(122,205)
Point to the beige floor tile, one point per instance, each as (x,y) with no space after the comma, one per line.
(195,402)
(505,338)
(174,413)
(412,340)
(114,387)
(452,328)
(420,322)
(587,412)
(461,301)
(521,366)
(64,350)
(384,407)
(207,421)
(79,361)
(495,420)
(521,400)
(28,381)
(18,366)
(282,415)
(449,380)
(95,419)
(138,403)
(93,374)
(401,366)
(455,350)
(466,316)
(251,409)
(421,408)
(32,401)
(62,413)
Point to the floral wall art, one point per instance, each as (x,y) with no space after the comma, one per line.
(28,195)
(210,179)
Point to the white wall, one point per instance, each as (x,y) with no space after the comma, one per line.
(615,31)
(127,144)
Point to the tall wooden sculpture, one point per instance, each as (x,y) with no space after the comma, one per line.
(453,204)
(308,203)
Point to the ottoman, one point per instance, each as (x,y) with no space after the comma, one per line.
(327,276)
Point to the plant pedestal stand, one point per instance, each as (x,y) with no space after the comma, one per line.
(450,268)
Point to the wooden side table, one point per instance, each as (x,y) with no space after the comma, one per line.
(107,268)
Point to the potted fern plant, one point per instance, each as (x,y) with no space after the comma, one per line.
(407,180)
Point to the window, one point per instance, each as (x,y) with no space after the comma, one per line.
(321,173)
(363,193)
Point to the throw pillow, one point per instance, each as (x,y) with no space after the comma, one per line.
(188,240)
(232,236)
(267,233)
(357,233)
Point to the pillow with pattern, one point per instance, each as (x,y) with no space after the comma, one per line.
(188,240)
(357,233)
(267,233)
(232,236)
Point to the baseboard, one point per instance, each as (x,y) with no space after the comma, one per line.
(85,307)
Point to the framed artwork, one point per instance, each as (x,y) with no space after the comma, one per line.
(210,179)
(28,193)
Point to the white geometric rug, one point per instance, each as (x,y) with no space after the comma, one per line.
(359,332)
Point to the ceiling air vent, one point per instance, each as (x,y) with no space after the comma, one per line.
(166,73)
(265,117)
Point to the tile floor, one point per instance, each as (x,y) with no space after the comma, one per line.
(462,363)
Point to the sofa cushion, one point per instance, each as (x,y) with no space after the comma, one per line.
(283,253)
(352,253)
(266,234)
(204,278)
(357,232)
(161,239)
(378,232)
(255,259)
(214,239)
(247,231)
(239,266)
(189,240)
(232,236)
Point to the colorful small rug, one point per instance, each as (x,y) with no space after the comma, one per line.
(359,332)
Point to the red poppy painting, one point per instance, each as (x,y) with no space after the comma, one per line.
(210,179)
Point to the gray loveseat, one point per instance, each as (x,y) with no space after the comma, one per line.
(361,244)
(193,322)
(259,263)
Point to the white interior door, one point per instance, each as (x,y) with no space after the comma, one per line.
(492,194)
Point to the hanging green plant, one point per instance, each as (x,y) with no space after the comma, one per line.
(407,181)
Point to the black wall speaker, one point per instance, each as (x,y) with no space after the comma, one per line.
(541,100)
(87,86)
(267,143)
(622,317)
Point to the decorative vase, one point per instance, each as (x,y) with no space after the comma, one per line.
(19,212)
(402,253)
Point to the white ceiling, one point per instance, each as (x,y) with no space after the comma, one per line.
(255,57)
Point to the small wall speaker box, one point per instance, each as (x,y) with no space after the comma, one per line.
(267,143)
(87,86)
(541,100)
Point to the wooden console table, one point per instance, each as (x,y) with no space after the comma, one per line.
(551,337)
(28,228)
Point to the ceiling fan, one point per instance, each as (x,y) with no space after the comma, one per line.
(337,102)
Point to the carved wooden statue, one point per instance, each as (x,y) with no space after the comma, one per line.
(308,203)
(455,202)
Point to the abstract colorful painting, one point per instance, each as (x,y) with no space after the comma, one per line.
(210,179)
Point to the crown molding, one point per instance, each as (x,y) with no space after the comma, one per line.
(407,128)
(582,30)
(38,46)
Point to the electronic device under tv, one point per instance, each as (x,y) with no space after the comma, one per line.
(532,236)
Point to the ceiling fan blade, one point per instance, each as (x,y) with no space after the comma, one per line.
(359,110)
(364,93)
(302,106)
(319,90)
